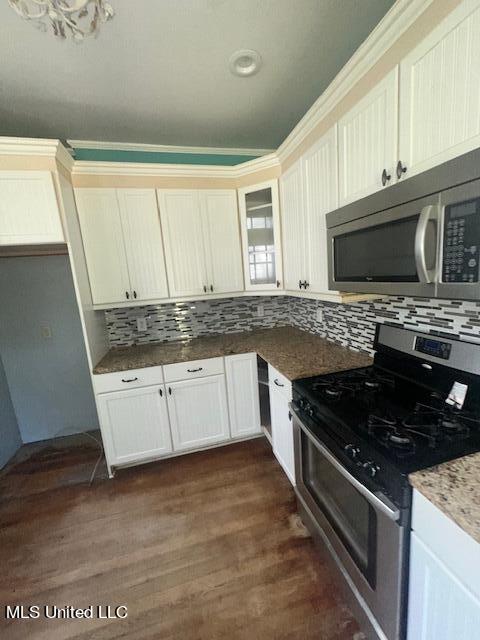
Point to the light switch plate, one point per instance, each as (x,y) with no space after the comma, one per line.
(45,331)
(141,324)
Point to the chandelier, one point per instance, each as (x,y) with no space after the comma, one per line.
(77,18)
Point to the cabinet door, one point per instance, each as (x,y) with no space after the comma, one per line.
(440,92)
(439,606)
(368,141)
(135,424)
(282,432)
(143,243)
(102,236)
(261,238)
(243,398)
(222,241)
(198,412)
(294,228)
(184,245)
(320,197)
(29,212)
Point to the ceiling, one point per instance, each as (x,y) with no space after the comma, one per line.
(158,73)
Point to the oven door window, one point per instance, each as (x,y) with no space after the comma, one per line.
(382,253)
(350,515)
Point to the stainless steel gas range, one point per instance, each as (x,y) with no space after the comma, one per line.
(358,435)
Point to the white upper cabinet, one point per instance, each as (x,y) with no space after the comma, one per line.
(184,243)
(123,244)
(260,226)
(320,195)
(294,228)
(368,142)
(222,241)
(309,190)
(29,212)
(143,243)
(202,241)
(440,92)
(102,236)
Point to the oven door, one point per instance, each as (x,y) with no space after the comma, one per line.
(362,527)
(394,251)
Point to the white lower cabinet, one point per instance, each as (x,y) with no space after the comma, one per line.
(135,424)
(444,583)
(282,429)
(441,608)
(198,412)
(243,398)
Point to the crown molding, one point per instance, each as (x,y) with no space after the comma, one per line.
(84,167)
(28,146)
(45,147)
(395,22)
(161,148)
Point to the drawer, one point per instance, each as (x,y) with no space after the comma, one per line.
(193,369)
(131,379)
(278,381)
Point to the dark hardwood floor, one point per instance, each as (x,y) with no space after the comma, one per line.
(201,547)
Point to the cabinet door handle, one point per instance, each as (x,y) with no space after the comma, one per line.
(279,384)
(211,287)
(205,288)
(135,295)
(307,284)
(278,284)
(169,391)
(289,415)
(385,177)
(161,393)
(401,169)
(127,295)
(299,284)
(129,379)
(195,370)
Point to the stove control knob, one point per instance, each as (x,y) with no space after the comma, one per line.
(352,451)
(370,468)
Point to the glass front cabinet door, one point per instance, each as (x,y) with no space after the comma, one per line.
(260,224)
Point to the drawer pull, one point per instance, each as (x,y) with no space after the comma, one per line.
(195,370)
(279,384)
(129,379)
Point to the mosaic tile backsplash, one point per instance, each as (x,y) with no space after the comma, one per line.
(184,320)
(351,325)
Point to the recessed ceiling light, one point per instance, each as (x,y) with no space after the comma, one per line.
(245,62)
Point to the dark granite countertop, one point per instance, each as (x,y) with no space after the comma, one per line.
(294,353)
(454,487)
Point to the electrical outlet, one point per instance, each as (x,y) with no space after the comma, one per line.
(319,315)
(141,324)
(260,310)
(45,331)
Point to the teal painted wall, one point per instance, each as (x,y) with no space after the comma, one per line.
(110,155)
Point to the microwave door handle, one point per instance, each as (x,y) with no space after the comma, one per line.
(377,499)
(427,214)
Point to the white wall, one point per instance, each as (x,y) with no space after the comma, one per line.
(48,378)
(10,439)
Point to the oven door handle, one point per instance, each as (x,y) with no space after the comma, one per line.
(378,500)
(428,214)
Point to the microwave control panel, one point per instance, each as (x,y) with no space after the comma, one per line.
(461,242)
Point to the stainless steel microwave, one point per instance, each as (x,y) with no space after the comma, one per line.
(424,246)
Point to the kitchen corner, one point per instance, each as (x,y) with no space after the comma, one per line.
(294,353)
